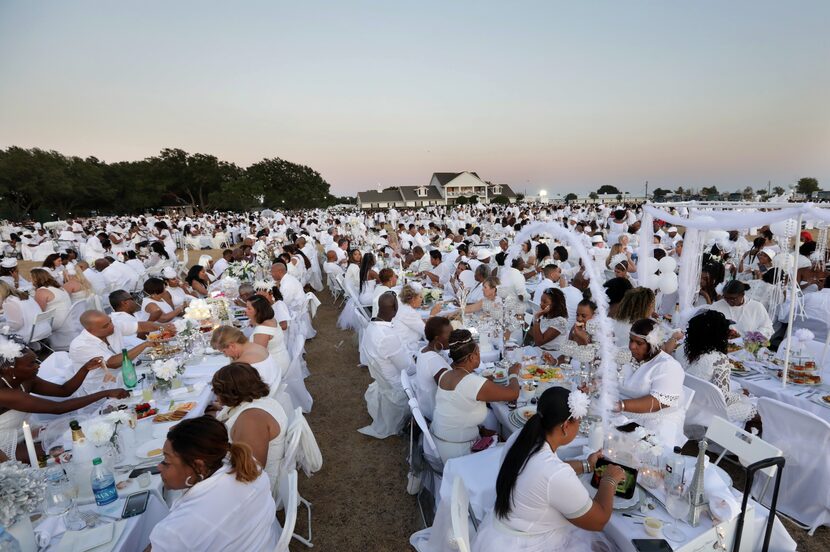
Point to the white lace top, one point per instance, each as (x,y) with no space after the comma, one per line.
(559,323)
(716,368)
(662,378)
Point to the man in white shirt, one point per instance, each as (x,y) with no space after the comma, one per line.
(290,287)
(116,274)
(100,338)
(221,265)
(477,290)
(95,278)
(11,275)
(130,319)
(382,346)
(512,280)
(439,272)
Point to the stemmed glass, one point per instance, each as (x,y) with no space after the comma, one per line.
(58,499)
(678,506)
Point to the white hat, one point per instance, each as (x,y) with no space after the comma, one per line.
(483,253)
(673,229)
(9,262)
(597,239)
(768,252)
(168,273)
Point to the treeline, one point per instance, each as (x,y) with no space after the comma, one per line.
(43,185)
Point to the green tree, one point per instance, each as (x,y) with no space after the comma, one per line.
(192,178)
(681,192)
(778,190)
(748,193)
(500,200)
(288,185)
(520,197)
(593,195)
(710,191)
(660,193)
(462,200)
(571,197)
(807,186)
(607,189)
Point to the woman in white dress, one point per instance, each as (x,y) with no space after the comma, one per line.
(353,269)
(747,315)
(408,323)
(431,362)
(251,416)
(227,502)
(266,330)
(21,311)
(490,303)
(156,305)
(368,279)
(77,285)
(53,264)
(233,344)
(549,329)
(51,296)
(462,396)
(653,385)
(158,255)
(164,235)
(541,505)
(705,349)
(179,294)
(19,383)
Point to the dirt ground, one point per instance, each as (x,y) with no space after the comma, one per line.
(359,499)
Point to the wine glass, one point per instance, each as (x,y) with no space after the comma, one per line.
(678,506)
(59,500)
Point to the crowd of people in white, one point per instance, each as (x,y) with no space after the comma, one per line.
(106,282)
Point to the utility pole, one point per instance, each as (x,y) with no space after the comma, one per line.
(646,190)
(769,187)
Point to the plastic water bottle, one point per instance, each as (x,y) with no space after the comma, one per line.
(7,542)
(103,484)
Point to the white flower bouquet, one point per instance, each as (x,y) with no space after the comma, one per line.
(99,432)
(433,294)
(23,488)
(198,309)
(242,270)
(166,369)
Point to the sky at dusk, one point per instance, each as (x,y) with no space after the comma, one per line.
(562,96)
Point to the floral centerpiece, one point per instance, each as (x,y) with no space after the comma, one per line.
(23,488)
(242,270)
(229,286)
(220,309)
(433,294)
(166,371)
(754,341)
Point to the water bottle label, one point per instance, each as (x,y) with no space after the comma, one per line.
(105,496)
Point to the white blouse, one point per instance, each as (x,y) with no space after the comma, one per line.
(409,325)
(662,378)
(426,366)
(457,415)
(559,323)
(201,521)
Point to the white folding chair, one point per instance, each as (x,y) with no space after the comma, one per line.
(430,479)
(750,449)
(459,514)
(289,497)
(406,382)
(41,327)
(706,403)
(60,338)
(805,484)
(289,463)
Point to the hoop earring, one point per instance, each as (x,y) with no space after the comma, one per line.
(187,482)
(441,347)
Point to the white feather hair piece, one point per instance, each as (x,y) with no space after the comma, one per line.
(654,338)
(264,285)
(617,259)
(10,350)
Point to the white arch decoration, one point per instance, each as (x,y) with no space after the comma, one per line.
(608,389)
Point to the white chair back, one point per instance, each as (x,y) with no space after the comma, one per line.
(407,385)
(747,447)
(289,498)
(459,514)
(805,482)
(468,278)
(430,450)
(706,403)
(42,326)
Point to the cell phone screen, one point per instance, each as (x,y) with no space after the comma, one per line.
(626,487)
(136,504)
(651,545)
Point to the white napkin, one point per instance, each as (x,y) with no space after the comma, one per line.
(48,528)
(722,503)
(178,392)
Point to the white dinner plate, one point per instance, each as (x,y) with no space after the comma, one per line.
(154,445)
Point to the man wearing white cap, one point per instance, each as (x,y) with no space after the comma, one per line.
(11,275)
(670,238)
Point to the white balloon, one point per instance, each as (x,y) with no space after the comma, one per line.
(650,281)
(667,265)
(785,228)
(668,282)
(648,266)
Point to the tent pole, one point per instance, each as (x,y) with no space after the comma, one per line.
(793,298)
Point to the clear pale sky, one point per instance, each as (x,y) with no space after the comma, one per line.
(564,96)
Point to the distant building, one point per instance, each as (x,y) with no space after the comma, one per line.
(443,189)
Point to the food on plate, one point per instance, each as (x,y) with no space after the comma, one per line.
(161,335)
(826,398)
(801,378)
(733,348)
(544,373)
(143,410)
(528,414)
(738,366)
(154,452)
(187,407)
(172,416)
(121,485)
(499,373)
